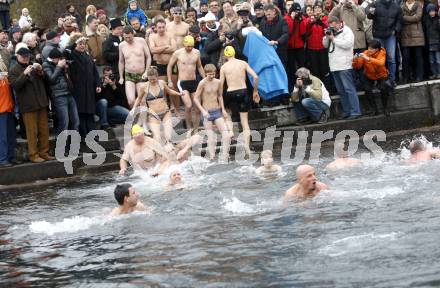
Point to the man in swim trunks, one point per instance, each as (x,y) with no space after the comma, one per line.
(213,111)
(162,46)
(128,200)
(143,153)
(188,61)
(419,152)
(307,185)
(342,160)
(236,99)
(134,61)
(267,167)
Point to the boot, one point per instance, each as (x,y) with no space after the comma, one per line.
(371,103)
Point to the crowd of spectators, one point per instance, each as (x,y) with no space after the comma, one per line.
(72,69)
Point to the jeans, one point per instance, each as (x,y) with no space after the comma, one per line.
(344,82)
(7,137)
(4,19)
(65,110)
(390,45)
(116,114)
(434,60)
(309,107)
(417,62)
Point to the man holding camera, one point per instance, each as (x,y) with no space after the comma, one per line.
(311,98)
(111,103)
(27,80)
(339,40)
(295,45)
(63,103)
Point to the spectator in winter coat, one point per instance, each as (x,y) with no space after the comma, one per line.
(340,43)
(25,21)
(412,39)
(52,41)
(375,73)
(134,10)
(295,45)
(353,16)
(432,26)
(387,23)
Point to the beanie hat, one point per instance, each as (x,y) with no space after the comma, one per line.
(430,7)
(50,35)
(55,53)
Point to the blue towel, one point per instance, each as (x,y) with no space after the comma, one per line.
(264,60)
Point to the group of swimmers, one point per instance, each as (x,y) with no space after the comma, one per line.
(306,186)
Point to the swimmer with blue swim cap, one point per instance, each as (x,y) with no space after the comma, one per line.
(307,185)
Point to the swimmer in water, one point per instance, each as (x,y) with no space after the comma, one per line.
(267,166)
(307,185)
(342,160)
(175,178)
(128,200)
(419,151)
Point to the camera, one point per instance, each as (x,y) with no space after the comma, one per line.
(306,81)
(111,77)
(357,55)
(298,16)
(330,31)
(229,36)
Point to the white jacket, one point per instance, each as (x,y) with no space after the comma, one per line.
(341,57)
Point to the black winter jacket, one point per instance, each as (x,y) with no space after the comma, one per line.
(387,18)
(432,32)
(57,79)
(213,47)
(278,30)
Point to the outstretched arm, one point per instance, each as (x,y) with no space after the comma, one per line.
(254,75)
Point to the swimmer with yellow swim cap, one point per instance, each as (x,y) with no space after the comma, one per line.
(229,51)
(234,73)
(142,152)
(188,41)
(188,62)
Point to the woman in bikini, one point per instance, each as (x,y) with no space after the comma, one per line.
(154,94)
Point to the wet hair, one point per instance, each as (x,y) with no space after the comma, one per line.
(375,44)
(128,30)
(122,191)
(152,71)
(209,68)
(90,19)
(416,145)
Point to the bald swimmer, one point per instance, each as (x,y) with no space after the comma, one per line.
(307,185)
(419,151)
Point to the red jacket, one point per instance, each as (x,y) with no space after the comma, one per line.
(315,32)
(296,31)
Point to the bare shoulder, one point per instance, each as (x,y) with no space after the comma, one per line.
(291,192)
(140,40)
(322,186)
(122,44)
(115,212)
(140,206)
(170,24)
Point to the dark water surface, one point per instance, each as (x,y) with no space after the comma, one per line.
(378,226)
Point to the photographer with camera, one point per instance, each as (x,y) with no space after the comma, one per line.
(56,67)
(311,98)
(27,80)
(373,61)
(339,40)
(295,45)
(111,102)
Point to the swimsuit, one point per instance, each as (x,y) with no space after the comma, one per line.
(238,100)
(187,85)
(214,114)
(151,97)
(133,77)
(162,69)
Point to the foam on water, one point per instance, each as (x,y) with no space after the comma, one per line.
(360,193)
(356,243)
(236,206)
(75,223)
